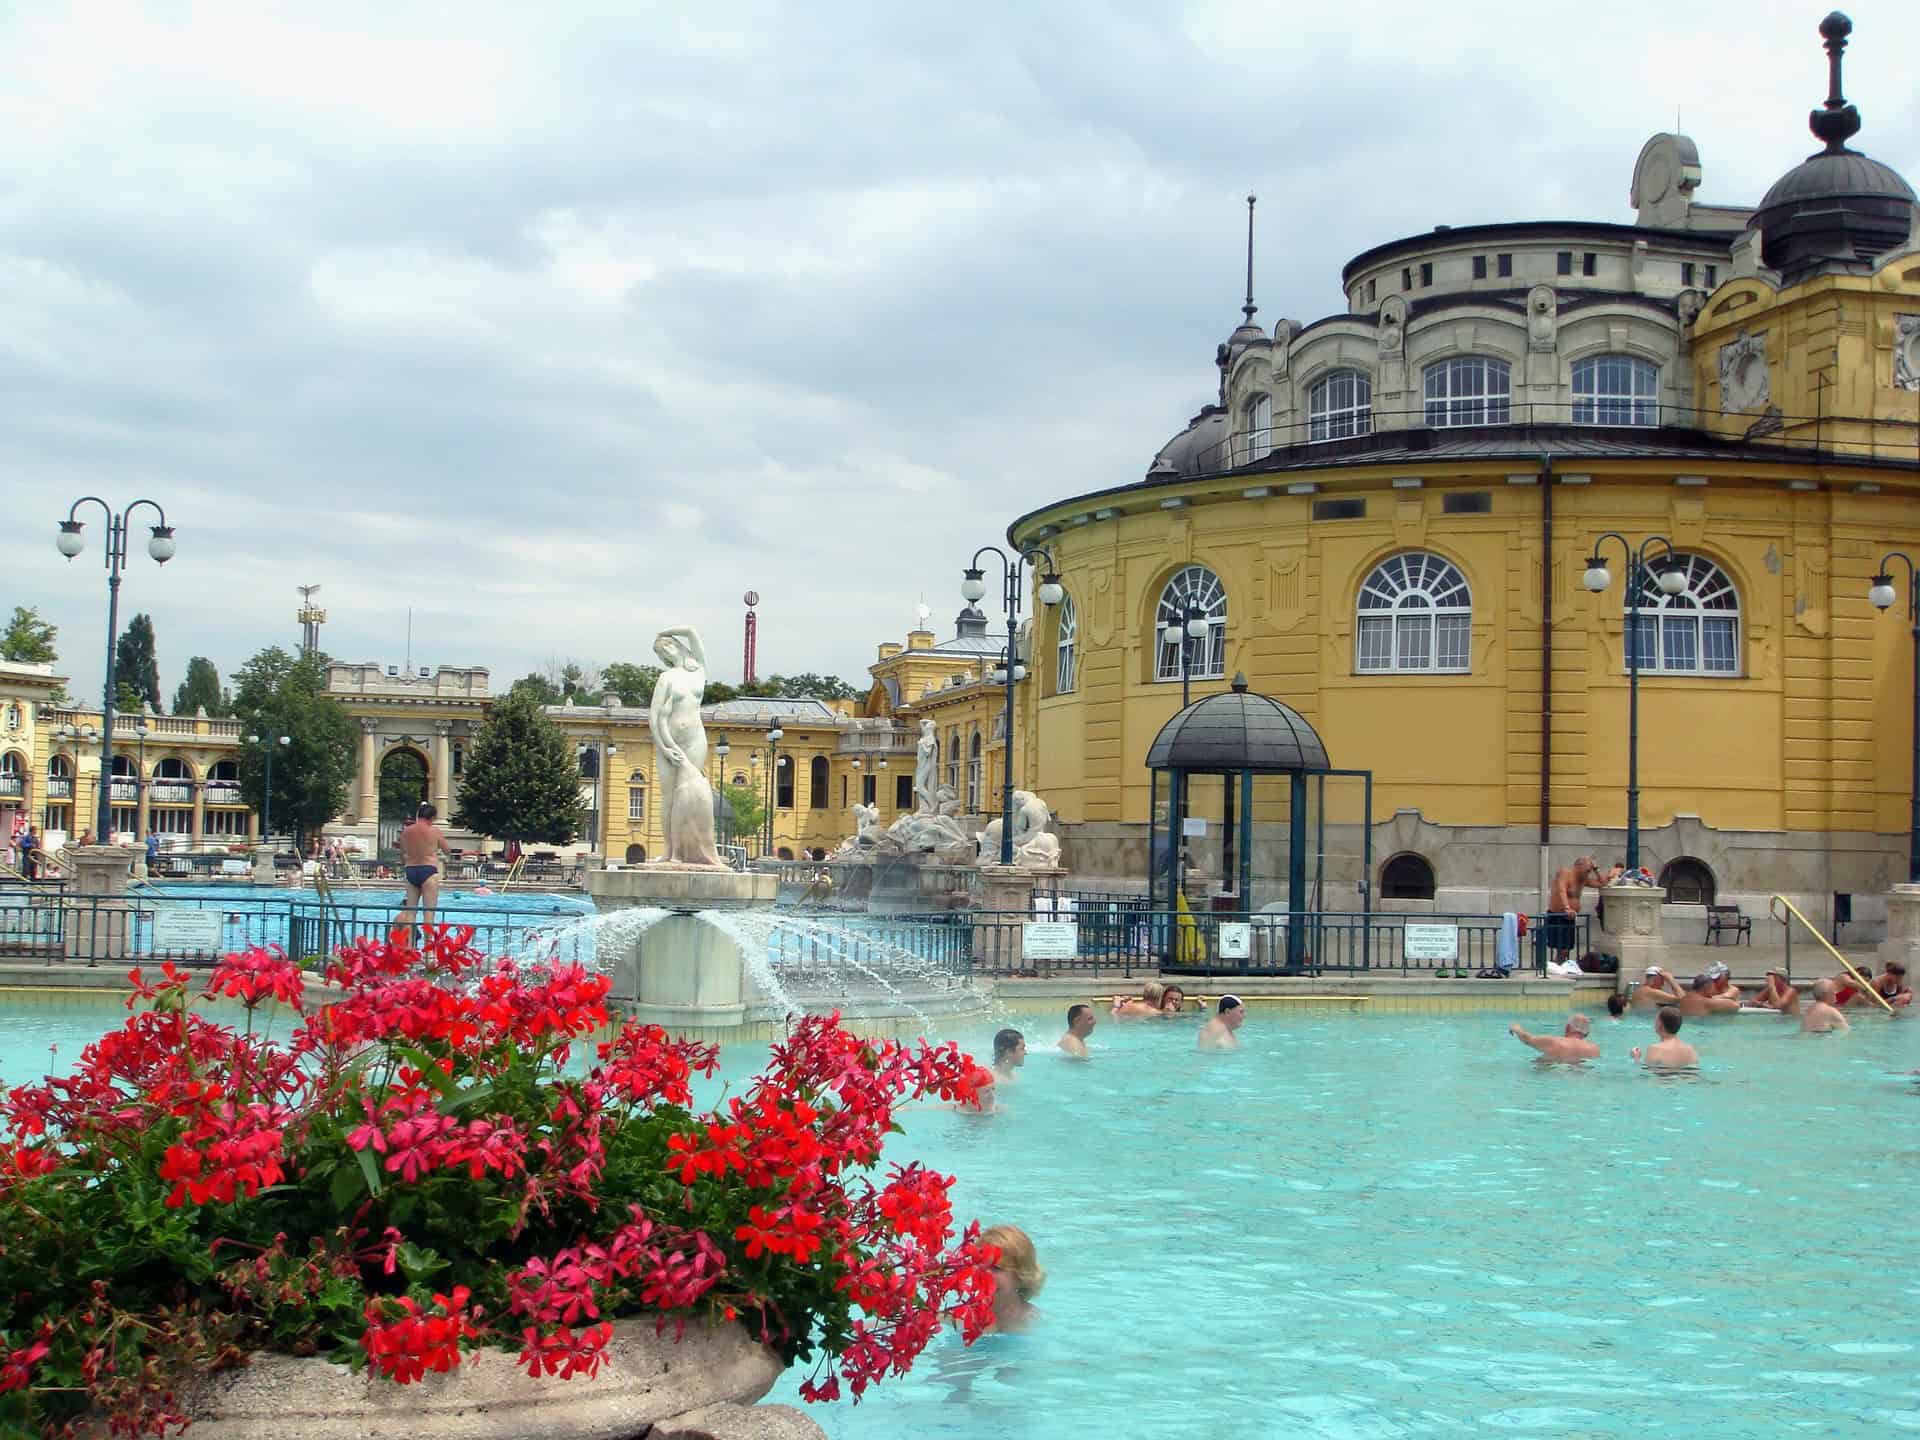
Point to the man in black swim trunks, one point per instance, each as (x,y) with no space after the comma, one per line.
(421,845)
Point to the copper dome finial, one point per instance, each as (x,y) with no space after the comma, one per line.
(1836,122)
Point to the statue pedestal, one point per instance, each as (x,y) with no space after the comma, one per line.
(1903,927)
(263,871)
(1633,929)
(1006,893)
(99,917)
(680,970)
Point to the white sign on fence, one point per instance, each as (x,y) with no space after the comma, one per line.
(178,928)
(1236,940)
(1049,940)
(1430,942)
(1194,825)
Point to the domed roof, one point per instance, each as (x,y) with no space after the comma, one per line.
(1197,449)
(1837,206)
(1238,731)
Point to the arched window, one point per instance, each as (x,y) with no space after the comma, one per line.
(1468,390)
(123,767)
(739,777)
(172,768)
(1687,881)
(636,854)
(1406,877)
(1256,428)
(225,770)
(953,761)
(973,775)
(1696,632)
(1192,589)
(783,785)
(817,796)
(1065,635)
(1340,405)
(637,801)
(59,767)
(13,776)
(1615,390)
(1415,614)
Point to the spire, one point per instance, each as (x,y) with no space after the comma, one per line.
(1836,122)
(1250,308)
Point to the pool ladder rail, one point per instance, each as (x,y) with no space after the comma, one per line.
(1861,981)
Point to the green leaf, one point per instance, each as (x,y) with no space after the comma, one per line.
(348,1185)
(370,1168)
(472,1095)
(419,1261)
(429,1069)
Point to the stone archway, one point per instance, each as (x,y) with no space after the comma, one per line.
(403,785)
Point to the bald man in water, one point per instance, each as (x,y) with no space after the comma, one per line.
(1569,1047)
(1823,1015)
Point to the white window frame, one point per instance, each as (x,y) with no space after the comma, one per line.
(1256,428)
(636,804)
(1340,406)
(1411,607)
(1065,637)
(1710,605)
(1615,390)
(976,770)
(1472,390)
(1198,587)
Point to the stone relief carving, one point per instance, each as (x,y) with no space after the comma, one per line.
(1393,325)
(1690,304)
(1744,383)
(1906,352)
(1542,317)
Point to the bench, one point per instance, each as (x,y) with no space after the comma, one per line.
(1725,920)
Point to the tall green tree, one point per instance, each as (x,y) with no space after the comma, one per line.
(201,689)
(274,694)
(136,663)
(537,688)
(749,808)
(632,683)
(28,640)
(403,784)
(521,780)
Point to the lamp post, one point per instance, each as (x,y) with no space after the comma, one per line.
(1882,595)
(266,792)
(722,812)
(1672,579)
(773,786)
(973,585)
(71,543)
(143,730)
(1192,625)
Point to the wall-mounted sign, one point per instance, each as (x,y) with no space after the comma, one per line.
(1430,942)
(1049,940)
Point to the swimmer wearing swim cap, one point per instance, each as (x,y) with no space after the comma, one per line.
(1218,1033)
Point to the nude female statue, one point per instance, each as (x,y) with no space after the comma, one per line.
(680,748)
(926,770)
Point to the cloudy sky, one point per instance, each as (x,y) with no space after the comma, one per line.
(562,322)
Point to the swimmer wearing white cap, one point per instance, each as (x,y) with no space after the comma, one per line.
(1217,1033)
(1655,990)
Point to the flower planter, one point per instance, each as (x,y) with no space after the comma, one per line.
(647,1380)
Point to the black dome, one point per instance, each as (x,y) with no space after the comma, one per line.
(1839,206)
(1238,731)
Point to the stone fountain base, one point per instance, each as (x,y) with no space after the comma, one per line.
(692,978)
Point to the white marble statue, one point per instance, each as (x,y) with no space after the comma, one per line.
(680,749)
(926,770)
(866,825)
(1033,847)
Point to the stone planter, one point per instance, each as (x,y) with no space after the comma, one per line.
(701,1386)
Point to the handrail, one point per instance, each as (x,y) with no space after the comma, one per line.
(513,872)
(1863,982)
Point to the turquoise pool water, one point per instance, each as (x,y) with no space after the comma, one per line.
(1400,1226)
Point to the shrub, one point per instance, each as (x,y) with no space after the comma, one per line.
(414,1171)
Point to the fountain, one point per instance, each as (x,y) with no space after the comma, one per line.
(695,946)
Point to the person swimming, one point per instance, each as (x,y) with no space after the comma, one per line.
(1668,1052)
(1823,1015)
(1218,1033)
(1147,1007)
(1080,1023)
(1017,1277)
(1009,1054)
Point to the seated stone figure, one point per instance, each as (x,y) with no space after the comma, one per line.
(1033,847)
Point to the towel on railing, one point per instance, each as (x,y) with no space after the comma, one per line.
(1506,950)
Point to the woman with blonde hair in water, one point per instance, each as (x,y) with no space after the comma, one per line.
(1147,1007)
(1017,1277)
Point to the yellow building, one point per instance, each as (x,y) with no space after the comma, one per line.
(1385,519)
(175,776)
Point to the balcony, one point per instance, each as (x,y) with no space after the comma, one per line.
(12,787)
(170,792)
(59,787)
(223,792)
(124,792)
(887,740)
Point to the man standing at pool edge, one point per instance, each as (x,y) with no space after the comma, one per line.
(421,846)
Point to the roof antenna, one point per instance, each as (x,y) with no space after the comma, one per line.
(1249,308)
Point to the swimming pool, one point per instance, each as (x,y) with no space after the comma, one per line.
(1400,1226)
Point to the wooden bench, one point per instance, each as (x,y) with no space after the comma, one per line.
(1727,919)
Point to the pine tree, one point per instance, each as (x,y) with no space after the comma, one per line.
(201,689)
(28,639)
(521,781)
(136,665)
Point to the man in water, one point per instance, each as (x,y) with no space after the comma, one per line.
(1009,1054)
(1700,1000)
(1668,1052)
(1569,1047)
(1080,1023)
(1778,993)
(1722,978)
(421,845)
(1617,1005)
(1217,1033)
(1655,989)
(1823,1015)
